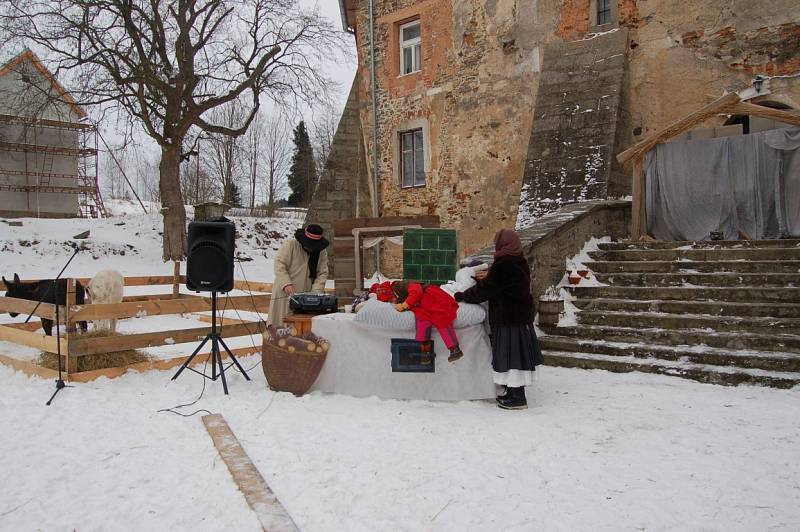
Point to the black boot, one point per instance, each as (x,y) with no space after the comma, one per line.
(516,400)
(506,395)
(455,354)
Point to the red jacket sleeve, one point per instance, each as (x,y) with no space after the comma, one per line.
(414,294)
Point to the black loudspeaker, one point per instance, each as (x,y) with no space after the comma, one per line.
(209,263)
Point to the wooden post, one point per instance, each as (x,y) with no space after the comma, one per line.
(72,362)
(176,278)
(638,207)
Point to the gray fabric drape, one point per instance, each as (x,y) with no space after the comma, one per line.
(747,182)
(787,140)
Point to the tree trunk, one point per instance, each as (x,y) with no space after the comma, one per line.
(172,208)
(271,198)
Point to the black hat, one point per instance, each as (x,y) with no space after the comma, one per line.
(311,238)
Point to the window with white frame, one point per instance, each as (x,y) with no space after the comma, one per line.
(410,48)
(412,159)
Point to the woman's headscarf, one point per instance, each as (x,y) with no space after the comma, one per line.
(507,243)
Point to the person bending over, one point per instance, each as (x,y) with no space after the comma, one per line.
(301,265)
(432,307)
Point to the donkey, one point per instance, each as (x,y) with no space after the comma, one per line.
(43,291)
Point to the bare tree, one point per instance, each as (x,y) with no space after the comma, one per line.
(277,154)
(147,179)
(168,62)
(324,129)
(196,185)
(113,181)
(252,155)
(221,153)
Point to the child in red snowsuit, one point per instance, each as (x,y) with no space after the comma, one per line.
(432,307)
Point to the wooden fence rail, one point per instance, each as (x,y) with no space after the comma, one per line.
(73,345)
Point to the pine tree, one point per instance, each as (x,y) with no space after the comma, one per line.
(232,195)
(302,173)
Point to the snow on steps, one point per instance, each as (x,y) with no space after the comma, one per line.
(744,294)
(726,339)
(701,244)
(699,279)
(706,308)
(723,312)
(694,266)
(753,324)
(713,374)
(699,354)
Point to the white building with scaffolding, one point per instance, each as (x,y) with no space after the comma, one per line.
(48,149)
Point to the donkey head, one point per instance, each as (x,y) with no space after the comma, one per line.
(16,289)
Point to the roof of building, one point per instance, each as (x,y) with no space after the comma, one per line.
(28,55)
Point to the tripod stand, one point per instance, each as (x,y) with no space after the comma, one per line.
(59,381)
(216,356)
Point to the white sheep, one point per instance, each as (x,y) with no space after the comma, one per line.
(106,287)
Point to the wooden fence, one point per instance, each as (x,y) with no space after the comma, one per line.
(73,345)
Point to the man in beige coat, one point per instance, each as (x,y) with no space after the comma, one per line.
(301,265)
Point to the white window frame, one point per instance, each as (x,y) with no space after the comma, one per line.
(415,44)
(416,180)
(594,14)
(609,12)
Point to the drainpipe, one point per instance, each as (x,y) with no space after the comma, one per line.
(374,127)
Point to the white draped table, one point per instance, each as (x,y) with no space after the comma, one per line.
(359,363)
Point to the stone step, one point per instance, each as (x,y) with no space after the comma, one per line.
(700,279)
(690,266)
(723,339)
(758,254)
(685,293)
(760,325)
(699,372)
(716,308)
(698,244)
(767,360)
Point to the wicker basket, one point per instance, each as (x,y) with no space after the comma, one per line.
(290,372)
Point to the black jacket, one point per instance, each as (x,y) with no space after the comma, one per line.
(507,288)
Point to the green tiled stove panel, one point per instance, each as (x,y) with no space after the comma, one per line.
(429,255)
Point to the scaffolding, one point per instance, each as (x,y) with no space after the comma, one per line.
(38,171)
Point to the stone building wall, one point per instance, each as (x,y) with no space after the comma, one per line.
(473,97)
(343,190)
(483,66)
(575,121)
(681,55)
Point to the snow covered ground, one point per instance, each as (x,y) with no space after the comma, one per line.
(595,450)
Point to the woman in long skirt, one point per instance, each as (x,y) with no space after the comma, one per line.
(507,288)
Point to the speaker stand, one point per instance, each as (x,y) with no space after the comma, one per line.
(216,356)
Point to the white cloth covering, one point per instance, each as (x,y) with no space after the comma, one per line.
(359,363)
(513,378)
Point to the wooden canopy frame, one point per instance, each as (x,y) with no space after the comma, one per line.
(728,104)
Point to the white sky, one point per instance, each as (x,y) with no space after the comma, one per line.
(340,69)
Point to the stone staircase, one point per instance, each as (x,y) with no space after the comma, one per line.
(722,312)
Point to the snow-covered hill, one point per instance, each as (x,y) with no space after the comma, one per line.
(128,241)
